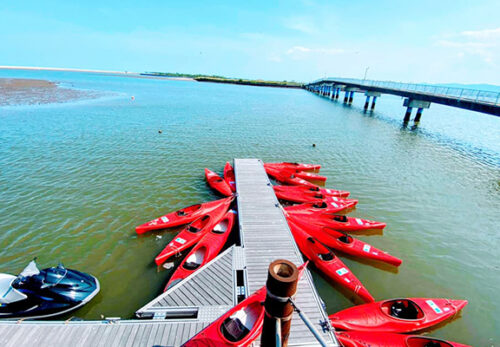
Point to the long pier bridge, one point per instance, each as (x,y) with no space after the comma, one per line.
(181,312)
(419,96)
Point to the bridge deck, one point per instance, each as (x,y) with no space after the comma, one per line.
(178,314)
(474,100)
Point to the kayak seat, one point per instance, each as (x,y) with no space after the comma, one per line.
(181,213)
(193,229)
(345,239)
(432,344)
(340,218)
(404,310)
(234,330)
(320,205)
(191,265)
(327,256)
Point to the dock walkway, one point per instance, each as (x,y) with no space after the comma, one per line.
(178,314)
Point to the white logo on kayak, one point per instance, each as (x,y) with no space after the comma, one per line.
(433,305)
(164,219)
(334,198)
(328,191)
(359,221)
(367,248)
(335,205)
(342,271)
(180,240)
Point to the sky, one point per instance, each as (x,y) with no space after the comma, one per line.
(436,41)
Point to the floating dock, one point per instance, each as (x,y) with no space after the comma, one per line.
(178,314)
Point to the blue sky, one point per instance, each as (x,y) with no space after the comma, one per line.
(411,41)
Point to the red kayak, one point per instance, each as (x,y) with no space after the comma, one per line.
(229,176)
(205,250)
(339,222)
(327,263)
(294,166)
(240,326)
(310,176)
(328,206)
(323,192)
(287,176)
(217,183)
(343,242)
(302,194)
(190,235)
(183,216)
(377,339)
(397,315)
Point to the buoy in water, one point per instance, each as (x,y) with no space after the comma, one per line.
(132,97)
(314,145)
(159,131)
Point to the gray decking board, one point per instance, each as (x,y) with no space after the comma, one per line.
(266,237)
(210,286)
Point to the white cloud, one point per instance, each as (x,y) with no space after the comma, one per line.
(484,44)
(485,34)
(300,51)
(302,24)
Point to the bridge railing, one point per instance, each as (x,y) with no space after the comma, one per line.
(460,93)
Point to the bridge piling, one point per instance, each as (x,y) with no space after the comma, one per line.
(367,102)
(346,97)
(351,97)
(337,94)
(417,117)
(407,114)
(373,103)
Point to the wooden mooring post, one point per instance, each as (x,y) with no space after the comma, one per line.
(282,279)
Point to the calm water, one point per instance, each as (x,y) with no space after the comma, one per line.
(76,178)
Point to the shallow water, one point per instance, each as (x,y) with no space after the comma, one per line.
(76,178)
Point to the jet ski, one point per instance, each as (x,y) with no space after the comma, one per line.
(35,293)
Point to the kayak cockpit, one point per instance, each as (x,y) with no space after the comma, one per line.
(198,224)
(345,239)
(188,210)
(321,251)
(321,205)
(196,259)
(421,341)
(340,218)
(236,327)
(221,228)
(402,309)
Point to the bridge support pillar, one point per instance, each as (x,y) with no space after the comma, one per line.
(407,115)
(346,97)
(367,102)
(419,114)
(351,97)
(372,94)
(337,93)
(419,104)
